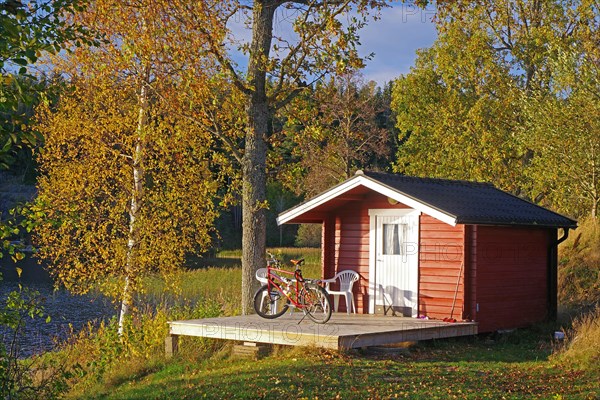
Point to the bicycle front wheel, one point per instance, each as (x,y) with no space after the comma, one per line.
(270,304)
(316,303)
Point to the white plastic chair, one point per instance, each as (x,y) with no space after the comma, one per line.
(346,280)
(261,275)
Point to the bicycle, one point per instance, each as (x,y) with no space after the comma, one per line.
(280,293)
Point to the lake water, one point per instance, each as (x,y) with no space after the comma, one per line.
(63,309)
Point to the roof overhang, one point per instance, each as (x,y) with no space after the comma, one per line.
(376,186)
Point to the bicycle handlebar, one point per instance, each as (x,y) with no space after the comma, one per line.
(296,263)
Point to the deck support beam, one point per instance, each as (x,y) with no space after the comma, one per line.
(249,350)
(171,345)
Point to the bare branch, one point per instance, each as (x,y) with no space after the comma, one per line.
(218,132)
(217,48)
(286,63)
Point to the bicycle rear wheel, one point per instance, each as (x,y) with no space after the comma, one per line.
(270,304)
(316,303)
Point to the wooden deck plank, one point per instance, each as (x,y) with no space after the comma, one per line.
(343,331)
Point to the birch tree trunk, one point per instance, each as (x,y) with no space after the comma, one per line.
(137,196)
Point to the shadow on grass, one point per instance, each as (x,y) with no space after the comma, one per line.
(518,346)
(327,375)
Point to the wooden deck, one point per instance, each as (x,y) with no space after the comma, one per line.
(342,332)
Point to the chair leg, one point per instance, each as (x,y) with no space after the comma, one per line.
(349,303)
(336,301)
(262,301)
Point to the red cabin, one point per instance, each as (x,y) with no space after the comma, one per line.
(439,248)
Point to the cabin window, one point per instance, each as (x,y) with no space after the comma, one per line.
(394,239)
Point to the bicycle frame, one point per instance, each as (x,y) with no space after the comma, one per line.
(278,282)
(282,292)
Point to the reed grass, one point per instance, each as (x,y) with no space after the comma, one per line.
(578,274)
(582,347)
(222,282)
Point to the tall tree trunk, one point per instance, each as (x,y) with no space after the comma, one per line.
(253,210)
(255,153)
(137,195)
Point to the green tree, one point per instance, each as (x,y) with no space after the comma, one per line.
(28,30)
(563,126)
(461,109)
(126,186)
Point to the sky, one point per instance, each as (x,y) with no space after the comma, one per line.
(394,39)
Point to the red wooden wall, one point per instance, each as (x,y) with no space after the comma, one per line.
(441,269)
(441,278)
(494,275)
(346,246)
(509,282)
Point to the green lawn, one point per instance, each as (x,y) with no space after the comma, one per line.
(516,367)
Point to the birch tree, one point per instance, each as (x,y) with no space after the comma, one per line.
(563,126)
(126,186)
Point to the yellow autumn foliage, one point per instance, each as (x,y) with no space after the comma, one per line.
(128,184)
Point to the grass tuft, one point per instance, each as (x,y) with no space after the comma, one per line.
(582,347)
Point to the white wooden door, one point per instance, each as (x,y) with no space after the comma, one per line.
(396,263)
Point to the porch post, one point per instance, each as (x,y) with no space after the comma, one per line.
(328,247)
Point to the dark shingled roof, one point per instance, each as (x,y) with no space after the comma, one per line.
(472,202)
